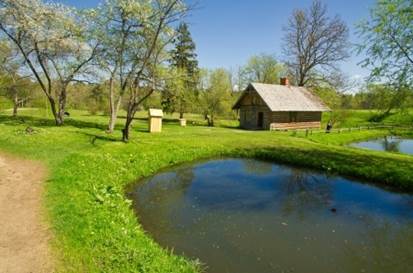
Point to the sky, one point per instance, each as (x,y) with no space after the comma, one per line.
(228,32)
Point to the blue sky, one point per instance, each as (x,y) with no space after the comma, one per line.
(228,32)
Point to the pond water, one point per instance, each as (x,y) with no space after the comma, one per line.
(388,144)
(238,215)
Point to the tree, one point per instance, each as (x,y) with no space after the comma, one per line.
(52,41)
(184,60)
(387,41)
(150,46)
(314,44)
(13,85)
(216,96)
(175,98)
(385,97)
(119,25)
(134,35)
(329,96)
(263,68)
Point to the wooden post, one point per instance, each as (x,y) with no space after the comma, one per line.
(306,132)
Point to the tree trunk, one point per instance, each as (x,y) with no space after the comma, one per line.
(125,130)
(132,108)
(210,120)
(15,104)
(60,116)
(129,118)
(53,109)
(114,108)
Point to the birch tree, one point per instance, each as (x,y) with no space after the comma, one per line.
(51,39)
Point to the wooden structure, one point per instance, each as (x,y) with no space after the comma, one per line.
(182,122)
(155,120)
(279,107)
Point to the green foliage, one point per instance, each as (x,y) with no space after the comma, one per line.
(180,92)
(263,68)
(5,103)
(387,37)
(216,99)
(329,96)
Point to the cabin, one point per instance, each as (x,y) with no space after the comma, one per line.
(279,107)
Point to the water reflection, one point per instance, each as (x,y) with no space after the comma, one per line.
(391,144)
(388,144)
(303,190)
(276,219)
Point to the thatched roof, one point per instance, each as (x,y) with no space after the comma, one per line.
(282,98)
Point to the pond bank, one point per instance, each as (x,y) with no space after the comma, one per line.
(24,238)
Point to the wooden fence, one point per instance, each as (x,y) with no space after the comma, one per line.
(309,132)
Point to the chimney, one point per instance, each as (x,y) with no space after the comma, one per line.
(285,81)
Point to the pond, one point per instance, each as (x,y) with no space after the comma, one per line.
(240,215)
(388,144)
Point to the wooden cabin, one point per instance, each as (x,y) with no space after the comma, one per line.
(279,107)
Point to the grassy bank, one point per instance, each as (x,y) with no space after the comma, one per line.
(95,229)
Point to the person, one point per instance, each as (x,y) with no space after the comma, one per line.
(329,127)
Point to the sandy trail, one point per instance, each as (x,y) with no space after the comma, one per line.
(24,237)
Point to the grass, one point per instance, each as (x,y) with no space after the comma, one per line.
(95,229)
(356,118)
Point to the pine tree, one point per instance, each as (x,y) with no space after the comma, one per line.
(184,62)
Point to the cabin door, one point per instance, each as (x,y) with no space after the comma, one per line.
(260,123)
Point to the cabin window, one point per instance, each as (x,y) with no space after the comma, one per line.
(293,116)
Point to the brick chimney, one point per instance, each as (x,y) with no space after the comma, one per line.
(285,81)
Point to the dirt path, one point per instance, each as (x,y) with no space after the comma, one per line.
(23,235)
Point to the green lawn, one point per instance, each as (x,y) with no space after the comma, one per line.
(356,118)
(95,230)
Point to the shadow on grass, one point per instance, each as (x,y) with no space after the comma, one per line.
(95,137)
(44,122)
(380,117)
